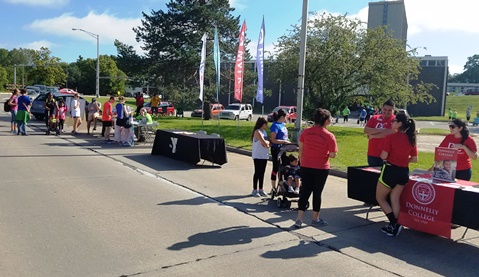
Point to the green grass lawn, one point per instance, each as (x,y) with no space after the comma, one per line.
(352,142)
(460,104)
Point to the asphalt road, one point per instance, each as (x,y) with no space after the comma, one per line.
(72,206)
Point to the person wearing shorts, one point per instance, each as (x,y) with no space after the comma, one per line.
(76,113)
(107,118)
(398,150)
(93,114)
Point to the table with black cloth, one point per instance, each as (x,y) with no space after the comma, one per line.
(362,181)
(190,147)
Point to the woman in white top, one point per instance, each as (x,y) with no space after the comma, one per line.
(260,155)
(76,113)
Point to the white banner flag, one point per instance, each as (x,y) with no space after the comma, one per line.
(202,66)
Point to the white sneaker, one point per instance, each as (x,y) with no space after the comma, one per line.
(296,190)
(262,193)
(290,189)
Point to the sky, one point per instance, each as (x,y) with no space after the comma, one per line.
(436,27)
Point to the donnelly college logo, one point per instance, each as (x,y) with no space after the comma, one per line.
(423,193)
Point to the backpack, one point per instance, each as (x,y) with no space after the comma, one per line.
(6,106)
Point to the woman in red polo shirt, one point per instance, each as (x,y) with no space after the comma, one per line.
(459,138)
(399,149)
(316,146)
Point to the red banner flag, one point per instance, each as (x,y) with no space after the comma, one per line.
(239,66)
(427,207)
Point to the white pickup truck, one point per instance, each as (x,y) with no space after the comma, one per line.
(237,111)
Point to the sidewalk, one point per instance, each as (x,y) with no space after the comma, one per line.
(348,234)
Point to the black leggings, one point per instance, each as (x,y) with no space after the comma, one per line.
(274,155)
(259,169)
(312,181)
(61,123)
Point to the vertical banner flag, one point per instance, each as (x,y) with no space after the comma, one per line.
(216,58)
(202,66)
(240,64)
(259,63)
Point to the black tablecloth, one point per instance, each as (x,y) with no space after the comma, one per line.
(192,148)
(362,186)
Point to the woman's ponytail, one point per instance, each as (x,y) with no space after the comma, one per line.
(411,131)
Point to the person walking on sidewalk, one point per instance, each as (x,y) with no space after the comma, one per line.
(107,118)
(13,103)
(316,146)
(76,113)
(398,150)
(260,154)
(346,113)
(23,113)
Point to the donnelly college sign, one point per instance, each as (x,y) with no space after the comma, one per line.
(427,207)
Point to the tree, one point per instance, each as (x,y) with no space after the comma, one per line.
(172,40)
(3,77)
(471,71)
(347,63)
(47,69)
(112,79)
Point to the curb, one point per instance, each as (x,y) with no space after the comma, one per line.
(334,172)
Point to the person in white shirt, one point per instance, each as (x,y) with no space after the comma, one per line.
(260,155)
(76,113)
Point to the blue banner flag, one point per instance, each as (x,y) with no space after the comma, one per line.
(259,63)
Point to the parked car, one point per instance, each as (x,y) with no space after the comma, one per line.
(43,88)
(67,91)
(53,89)
(32,94)
(215,110)
(472,91)
(404,111)
(37,89)
(237,111)
(290,113)
(164,108)
(38,105)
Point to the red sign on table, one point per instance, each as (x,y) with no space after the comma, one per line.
(427,207)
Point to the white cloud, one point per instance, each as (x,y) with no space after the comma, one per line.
(454,68)
(36,45)
(238,4)
(107,26)
(55,3)
(268,49)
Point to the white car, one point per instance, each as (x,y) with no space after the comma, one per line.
(237,112)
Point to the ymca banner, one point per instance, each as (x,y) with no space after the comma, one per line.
(259,63)
(239,66)
(202,66)
(427,207)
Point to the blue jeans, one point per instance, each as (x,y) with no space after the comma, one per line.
(14,115)
(22,127)
(375,161)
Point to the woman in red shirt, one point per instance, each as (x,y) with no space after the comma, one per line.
(316,146)
(399,149)
(459,138)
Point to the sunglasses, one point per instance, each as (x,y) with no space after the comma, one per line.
(452,126)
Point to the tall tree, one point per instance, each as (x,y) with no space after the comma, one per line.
(47,69)
(172,40)
(112,79)
(346,61)
(471,71)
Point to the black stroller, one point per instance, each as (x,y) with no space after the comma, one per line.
(283,197)
(53,124)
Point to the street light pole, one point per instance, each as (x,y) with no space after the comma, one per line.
(302,63)
(97,37)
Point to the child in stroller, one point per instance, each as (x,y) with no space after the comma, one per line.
(288,167)
(53,124)
(292,174)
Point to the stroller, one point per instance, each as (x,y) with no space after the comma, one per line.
(53,124)
(283,197)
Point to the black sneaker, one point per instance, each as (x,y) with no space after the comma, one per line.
(396,230)
(387,229)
